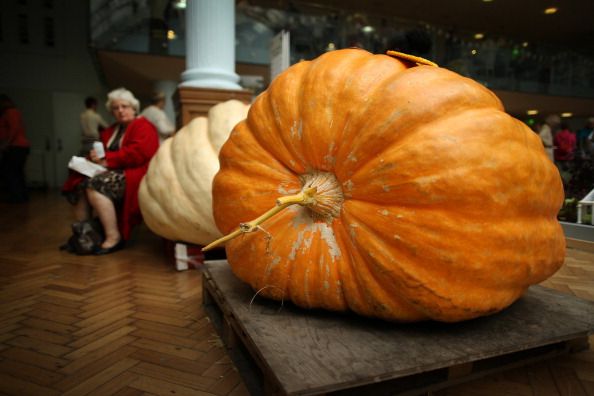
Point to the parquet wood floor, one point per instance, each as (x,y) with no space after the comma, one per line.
(129,324)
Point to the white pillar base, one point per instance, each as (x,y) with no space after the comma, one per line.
(210,78)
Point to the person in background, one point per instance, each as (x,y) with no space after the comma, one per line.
(91,123)
(155,114)
(130,144)
(585,140)
(564,146)
(546,133)
(14,149)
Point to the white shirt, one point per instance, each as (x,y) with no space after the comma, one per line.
(159,119)
(546,135)
(90,121)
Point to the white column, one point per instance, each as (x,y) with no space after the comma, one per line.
(210,45)
(168,87)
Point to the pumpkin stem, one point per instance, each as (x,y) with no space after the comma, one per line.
(411,58)
(304,198)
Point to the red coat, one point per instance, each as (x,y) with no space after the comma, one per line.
(139,145)
(12,129)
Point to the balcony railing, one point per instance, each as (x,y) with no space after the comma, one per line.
(154,26)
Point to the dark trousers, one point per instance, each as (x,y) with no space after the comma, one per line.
(12,172)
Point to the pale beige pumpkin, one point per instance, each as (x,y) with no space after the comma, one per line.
(430,202)
(175,194)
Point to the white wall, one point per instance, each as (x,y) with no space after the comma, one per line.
(38,77)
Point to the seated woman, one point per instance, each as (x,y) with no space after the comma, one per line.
(130,144)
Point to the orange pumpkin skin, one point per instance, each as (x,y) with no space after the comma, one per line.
(433,203)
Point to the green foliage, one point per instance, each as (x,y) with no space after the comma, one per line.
(578,180)
(568,211)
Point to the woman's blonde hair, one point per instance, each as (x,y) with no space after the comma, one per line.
(124,95)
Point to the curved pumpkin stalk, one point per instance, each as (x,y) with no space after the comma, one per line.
(411,58)
(303,198)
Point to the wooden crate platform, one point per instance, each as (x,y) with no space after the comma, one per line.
(288,350)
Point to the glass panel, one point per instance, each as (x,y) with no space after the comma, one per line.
(23,28)
(49,32)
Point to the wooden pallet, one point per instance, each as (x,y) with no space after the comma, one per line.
(290,351)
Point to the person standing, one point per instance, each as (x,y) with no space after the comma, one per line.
(155,114)
(14,149)
(565,143)
(546,133)
(91,123)
(584,140)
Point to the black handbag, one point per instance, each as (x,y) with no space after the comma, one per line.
(87,237)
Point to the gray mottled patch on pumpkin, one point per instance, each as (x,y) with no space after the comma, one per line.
(297,129)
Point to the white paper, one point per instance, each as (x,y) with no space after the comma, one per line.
(181,257)
(85,167)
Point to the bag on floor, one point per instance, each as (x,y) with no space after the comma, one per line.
(87,237)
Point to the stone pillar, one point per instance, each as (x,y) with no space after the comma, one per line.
(210,45)
(210,75)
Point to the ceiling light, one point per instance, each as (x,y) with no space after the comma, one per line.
(532,112)
(487,1)
(171,35)
(367,29)
(479,36)
(566,115)
(550,10)
(180,4)
(525,44)
(474,52)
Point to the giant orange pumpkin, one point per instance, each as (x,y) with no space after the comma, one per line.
(428,200)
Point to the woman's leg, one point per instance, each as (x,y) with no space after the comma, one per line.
(21,186)
(82,210)
(106,211)
(14,167)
